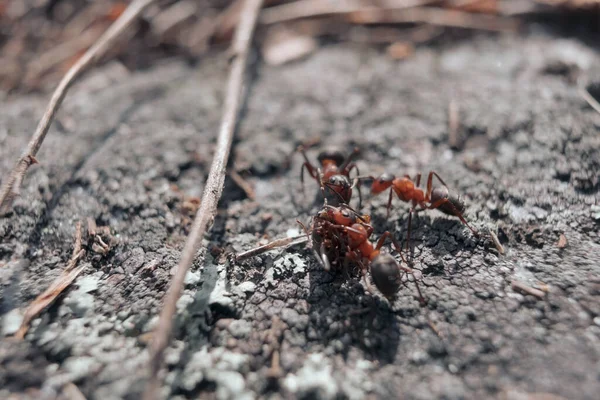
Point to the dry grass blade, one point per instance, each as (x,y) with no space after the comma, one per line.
(436,16)
(496,242)
(289,241)
(315,8)
(12,183)
(243,184)
(589,98)
(213,189)
(67,277)
(521,287)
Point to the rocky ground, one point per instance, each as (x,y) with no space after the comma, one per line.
(131,152)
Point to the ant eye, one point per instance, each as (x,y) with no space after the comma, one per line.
(345,214)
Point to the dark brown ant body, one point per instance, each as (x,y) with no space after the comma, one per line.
(407,190)
(333,173)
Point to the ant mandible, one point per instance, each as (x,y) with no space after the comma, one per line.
(438,197)
(333,173)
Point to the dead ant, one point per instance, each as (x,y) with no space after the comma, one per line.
(407,190)
(333,173)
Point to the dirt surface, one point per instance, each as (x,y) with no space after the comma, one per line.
(131,152)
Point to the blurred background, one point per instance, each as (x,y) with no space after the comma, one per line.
(41,39)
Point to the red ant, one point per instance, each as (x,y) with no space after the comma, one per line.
(407,190)
(351,232)
(333,172)
(341,234)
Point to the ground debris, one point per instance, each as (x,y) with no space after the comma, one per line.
(69,274)
(523,288)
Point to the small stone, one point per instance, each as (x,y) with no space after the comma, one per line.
(104,327)
(87,284)
(80,303)
(247,287)
(240,328)
(11,321)
(80,367)
(192,278)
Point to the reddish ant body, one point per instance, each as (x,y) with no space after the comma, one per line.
(407,190)
(344,232)
(333,172)
(342,235)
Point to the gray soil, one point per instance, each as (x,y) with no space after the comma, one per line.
(129,151)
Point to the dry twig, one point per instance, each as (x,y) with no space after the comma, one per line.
(243,184)
(213,189)
(56,288)
(521,287)
(11,185)
(496,242)
(589,98)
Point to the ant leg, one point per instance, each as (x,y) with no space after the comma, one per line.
(346,163)
(308,165)
(410,214)
(322,185)
(368,285)
(418,179)
(389,204)
(324,259)
(312,171)
(430,184)
(408,270)
(303,228)
(382,239)
(356,184)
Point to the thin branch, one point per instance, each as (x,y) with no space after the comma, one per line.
(56,288)
(213,189)
(11,185)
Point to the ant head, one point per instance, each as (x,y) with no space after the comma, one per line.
(338,215)
(386,275)
(340,185)
(382,183)
(334,155)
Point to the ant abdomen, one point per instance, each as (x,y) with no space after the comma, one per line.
(454,206)
(386,275)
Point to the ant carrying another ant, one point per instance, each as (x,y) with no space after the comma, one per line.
(333,173)
(339,237)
